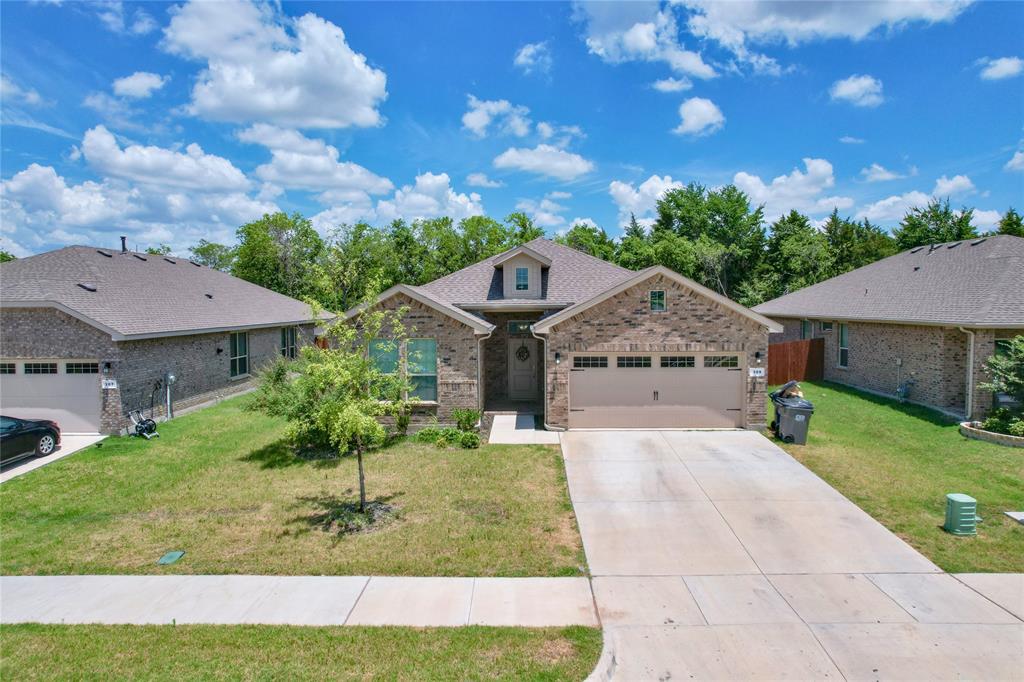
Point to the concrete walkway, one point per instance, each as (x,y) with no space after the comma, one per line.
(69,445)
(716,555)
(296,600)
(519,429)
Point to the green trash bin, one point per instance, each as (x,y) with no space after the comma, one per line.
(961,514)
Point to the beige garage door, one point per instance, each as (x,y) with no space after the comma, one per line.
(655,390)
(66,391)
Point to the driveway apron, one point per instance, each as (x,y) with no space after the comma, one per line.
(716,555)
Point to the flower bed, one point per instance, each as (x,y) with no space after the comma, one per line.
(974,430)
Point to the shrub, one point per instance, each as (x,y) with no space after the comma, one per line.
(471,441)
(1017,428)
(998,421)
(465,419)
(428,434)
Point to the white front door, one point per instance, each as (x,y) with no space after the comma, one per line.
(522,368)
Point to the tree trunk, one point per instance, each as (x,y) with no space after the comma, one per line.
(362,477)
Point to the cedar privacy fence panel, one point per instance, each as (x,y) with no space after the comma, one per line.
(796,360)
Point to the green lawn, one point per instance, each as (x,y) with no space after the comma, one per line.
(222,485)
(897,462)
(208,652)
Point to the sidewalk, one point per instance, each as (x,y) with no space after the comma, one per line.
(296,600)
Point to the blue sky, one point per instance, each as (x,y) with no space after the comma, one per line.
(179,121)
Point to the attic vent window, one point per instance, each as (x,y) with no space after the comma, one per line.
(104,253)
(139,257)
(975,243)
(88,286)
(172,262)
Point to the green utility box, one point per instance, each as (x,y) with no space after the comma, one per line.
(961,514)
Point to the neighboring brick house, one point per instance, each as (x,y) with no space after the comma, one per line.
(544,328)
(88,334)
(931,315)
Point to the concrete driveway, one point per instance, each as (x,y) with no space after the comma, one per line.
(716,555)
(69,445)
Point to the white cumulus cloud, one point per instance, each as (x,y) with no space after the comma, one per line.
(533,58)
(261,67)
(672,84)
(481,180)
(304,163)
(431,196)
(879,173)
(998,69)
(859,90)
(546,160)
(699,116)
(506,117)
(955,186)
(850,139)
(139,85)
(641,200)
(892,209)
(985,220)
(194,169)
(1016,162)
(801,190)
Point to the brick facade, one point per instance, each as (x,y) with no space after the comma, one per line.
(496,357)
(624,322)
(457,359)
(202,372)
(935,358)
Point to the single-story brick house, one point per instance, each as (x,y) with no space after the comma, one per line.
(932,315)
(88,334)
(547,329)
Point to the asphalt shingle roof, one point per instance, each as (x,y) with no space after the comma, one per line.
(573,276)
(142,294)
(976,282)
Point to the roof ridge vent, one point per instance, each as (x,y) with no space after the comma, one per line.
(172,262)
(140,256)
(88,286)
(104,253)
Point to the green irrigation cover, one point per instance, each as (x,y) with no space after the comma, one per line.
(170,557)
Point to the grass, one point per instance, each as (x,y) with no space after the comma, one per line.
(223,485)
(194,652)
(898,461)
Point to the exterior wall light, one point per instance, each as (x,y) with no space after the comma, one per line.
(757,356)
(558,357)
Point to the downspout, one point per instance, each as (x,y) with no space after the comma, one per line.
(480,373)
(544,343)
(969,384)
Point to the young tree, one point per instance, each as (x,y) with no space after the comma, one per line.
(1006,370)
(1011,223)
(354,257)
(852,245)
(635,250)
(797,256)
(213,255)
(934,224)
(338,394)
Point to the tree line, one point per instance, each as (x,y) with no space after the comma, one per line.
(714,236)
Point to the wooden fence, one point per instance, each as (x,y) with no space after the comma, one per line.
(799,360)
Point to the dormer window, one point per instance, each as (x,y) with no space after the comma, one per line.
(522,279)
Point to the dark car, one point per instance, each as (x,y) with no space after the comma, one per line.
(23,437)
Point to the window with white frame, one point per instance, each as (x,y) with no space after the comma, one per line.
(289,341)
(522,279)
(729,361)
(82,368)
(239,353)
(590,362)
(805,329)
(658,302)
(826,327)
(844,345)
(633,361)
(40,368)
(384,355)
(421,364)
(8,368)
(519,327)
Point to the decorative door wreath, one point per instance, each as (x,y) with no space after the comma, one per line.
(523,354)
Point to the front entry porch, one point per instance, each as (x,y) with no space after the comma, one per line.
(513,365)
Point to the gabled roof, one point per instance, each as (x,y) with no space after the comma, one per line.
(572,276)
(417,294)
(638,278)
(523,250)
(976,283)
(135,295)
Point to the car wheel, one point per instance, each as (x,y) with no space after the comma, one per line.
(46,445)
